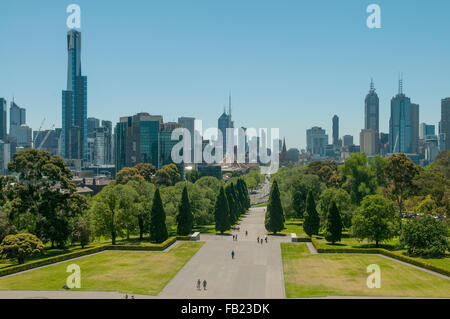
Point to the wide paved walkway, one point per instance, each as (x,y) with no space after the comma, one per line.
(256,271)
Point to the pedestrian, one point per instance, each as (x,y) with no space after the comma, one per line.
(198,284)
(236,237)
(266,239)
(126,296)
(232,254)
(204,284)
(257,240)
(132,296)
(262,241)
(246,233)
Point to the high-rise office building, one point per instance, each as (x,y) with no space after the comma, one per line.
(415,126)
(223,123)
(92,125)
(316,141)
(368,140)
(3,131)
(335,130)
(347,140)
(445,122)
(425,129)
(74,103)
(372,110)
(109,142)
(401,130)
(166,141)
(137,140)
(5,157)
(17,116)
(48,140)
(189,124)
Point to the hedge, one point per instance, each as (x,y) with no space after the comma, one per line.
(380,251)
(83,252)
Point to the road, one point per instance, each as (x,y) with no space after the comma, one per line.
(256,271)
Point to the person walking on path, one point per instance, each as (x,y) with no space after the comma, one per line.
(198,284)
(232,254)
(257,239)
(246,233)
(204,284)
(266,239)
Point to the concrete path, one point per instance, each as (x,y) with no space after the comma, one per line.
(256,271)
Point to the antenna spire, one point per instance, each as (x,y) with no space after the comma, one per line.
(229,104)
(400,84)
(372,86)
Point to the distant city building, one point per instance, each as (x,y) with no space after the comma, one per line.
(74,103)
(5,157)
(431,148)
(347,140)
(368,139)
(293,155)
(283,154)
(384,143)
(23,135)
(137,140)
(109,142)
(223,123)
(425,129)
(48,140)
(189,124)
(92,125)
(17,117)
(372,110)
(166,142)
(402,131)
(3,131)
(415,126)
(316,140)
(336,130)
(445,121)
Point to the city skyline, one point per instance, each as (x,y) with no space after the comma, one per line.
(256,103)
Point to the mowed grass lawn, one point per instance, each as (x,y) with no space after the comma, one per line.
(320,275)
(136,272)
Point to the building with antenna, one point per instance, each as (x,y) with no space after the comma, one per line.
(402,128)
(225,121)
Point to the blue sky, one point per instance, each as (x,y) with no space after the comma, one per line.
(289,64)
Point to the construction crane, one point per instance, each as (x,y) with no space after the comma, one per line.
(46,137)
(39,131)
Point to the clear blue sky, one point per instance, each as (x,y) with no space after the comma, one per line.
(289,64)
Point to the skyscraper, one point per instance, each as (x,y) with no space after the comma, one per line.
(189,124)
(335,130)
(18,131)
(368,140)
(415,127)
(74,103)
(445,121)
(372,109)
(425,129)
(401,135)
(316,141)
(3,119)
(17,116)
(223,123)
(137,140)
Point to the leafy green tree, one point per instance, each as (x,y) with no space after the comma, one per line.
(162,178)
(193,176)
(274,221)
(425,236)
(142,205)
(357,177)
(20,246)
(81,232)
(222,212)
(5,227)
(299,203)
(311,223)
(333,228)
(44,193)
(375,220)
(185,219)
(128,174)
(377,166)
(158,229)
(108,207)
(327,172)
(172,171)
(400,172)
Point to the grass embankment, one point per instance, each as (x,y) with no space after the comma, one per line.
(135,272)
(320,275)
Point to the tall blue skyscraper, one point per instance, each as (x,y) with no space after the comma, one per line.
(225,122)
(74,103)
(2,119)
(401,124)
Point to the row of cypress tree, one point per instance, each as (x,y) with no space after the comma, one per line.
(274,221)
(232,201)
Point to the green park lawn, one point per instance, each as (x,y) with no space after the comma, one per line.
(293,225)
(320,275)
(135,272)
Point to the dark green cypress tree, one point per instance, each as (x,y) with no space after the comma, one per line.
(158,229)
(231,203)
(240,197)
(247,196)
(185,219)
(237,200)
(274,221)
(222,212)
(311,222)
(333,232)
